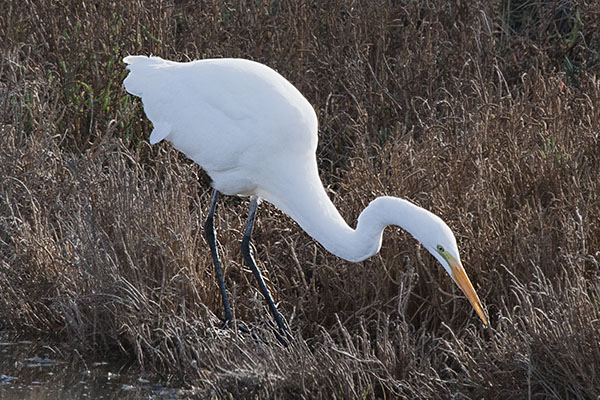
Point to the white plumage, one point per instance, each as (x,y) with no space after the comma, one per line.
(256,135)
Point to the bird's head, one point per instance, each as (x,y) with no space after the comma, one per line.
(427,228)
(441,243)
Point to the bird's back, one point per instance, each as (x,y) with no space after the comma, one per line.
(237,118)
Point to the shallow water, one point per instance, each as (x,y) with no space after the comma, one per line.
(33,370)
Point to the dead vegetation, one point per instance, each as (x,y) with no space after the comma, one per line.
(486,113)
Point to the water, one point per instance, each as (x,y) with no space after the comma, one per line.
(33,371)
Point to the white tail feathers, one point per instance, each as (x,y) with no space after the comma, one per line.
(141,70)
(143,74)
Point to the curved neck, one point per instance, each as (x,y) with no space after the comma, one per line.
(308,204)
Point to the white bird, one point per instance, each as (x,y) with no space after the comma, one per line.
(255,135)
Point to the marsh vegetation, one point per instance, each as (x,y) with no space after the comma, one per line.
(486,113)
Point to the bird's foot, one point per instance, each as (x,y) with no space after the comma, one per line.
(281,331)
(230,323)
(283,335)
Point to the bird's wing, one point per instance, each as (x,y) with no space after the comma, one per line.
(225,114)
(161,130)
(185,107)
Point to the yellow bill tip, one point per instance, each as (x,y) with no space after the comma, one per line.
(462,280)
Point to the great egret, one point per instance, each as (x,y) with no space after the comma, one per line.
(255,135)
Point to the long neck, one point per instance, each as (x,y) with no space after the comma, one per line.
(308,204)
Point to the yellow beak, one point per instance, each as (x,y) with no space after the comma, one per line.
(462,280)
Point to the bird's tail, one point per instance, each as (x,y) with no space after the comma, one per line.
(141,69)
(144,73)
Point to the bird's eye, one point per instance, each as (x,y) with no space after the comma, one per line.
(440,248)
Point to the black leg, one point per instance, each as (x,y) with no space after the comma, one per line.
(209,231)
(249,257)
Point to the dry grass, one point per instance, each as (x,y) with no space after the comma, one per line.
(486,113)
